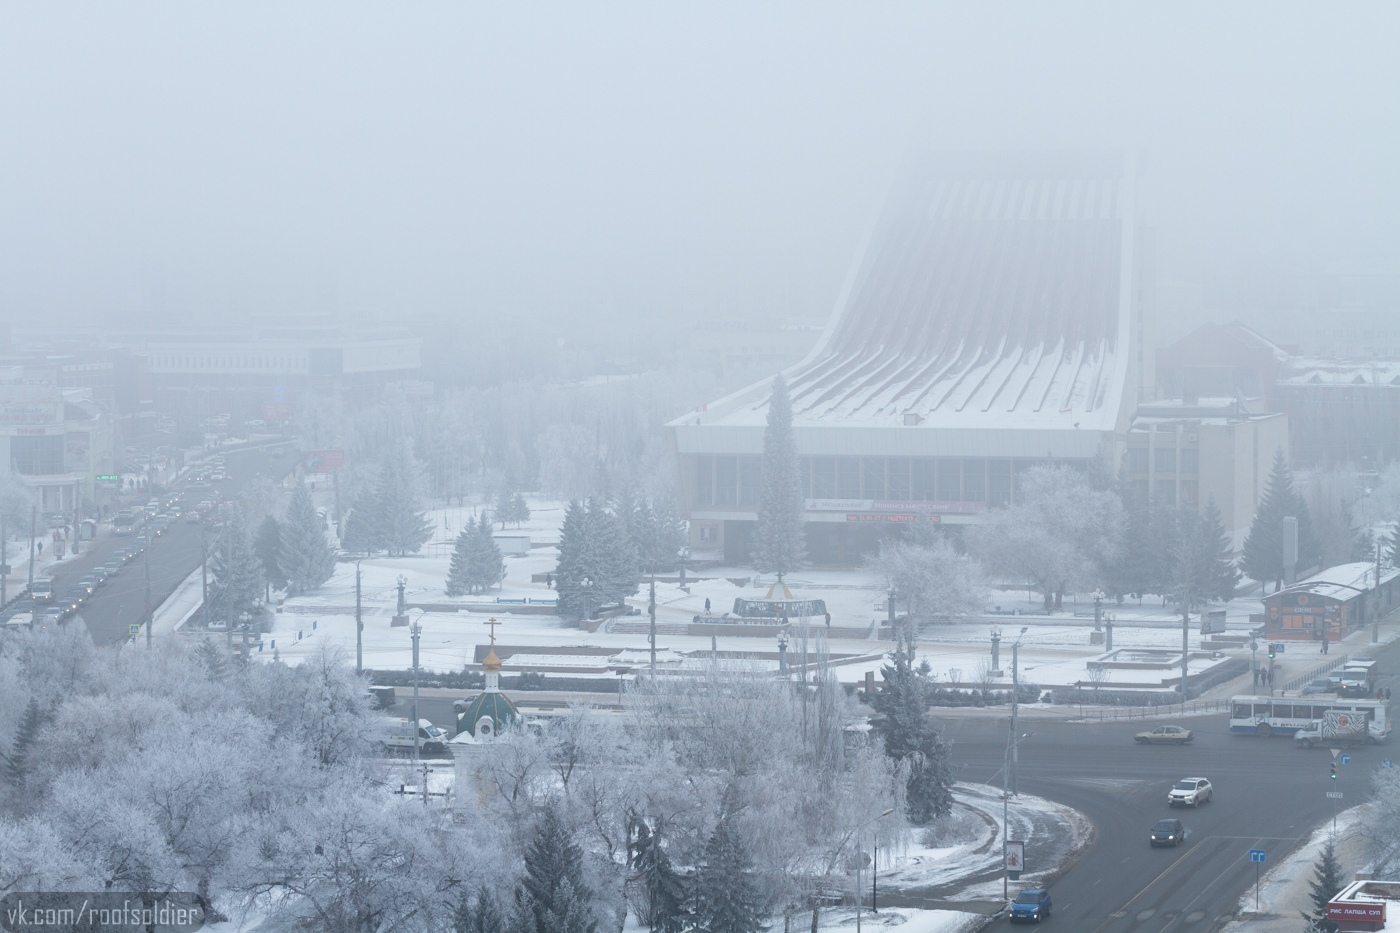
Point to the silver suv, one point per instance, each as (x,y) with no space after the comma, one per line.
(1189,792)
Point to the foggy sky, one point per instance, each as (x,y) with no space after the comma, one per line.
(178,161)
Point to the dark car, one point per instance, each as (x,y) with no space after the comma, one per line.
(1167,833)
(1318,687)
(1032,904)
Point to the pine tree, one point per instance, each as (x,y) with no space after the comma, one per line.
(212,658)
(911,738)
(487,567)
(597,563)
(17,761)
(479,914)
(235,574)
(1327,881)
(664,888)
(552,893)
(518,510)
(1226,575)
(1262,555)
(360,532)
(459,570)
(1392,546)
(403,526)
(306,557)
(268,545)
(726,897)
(501,504)
(780,535)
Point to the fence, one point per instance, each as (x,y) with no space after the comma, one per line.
(1297,683)
(1162,711)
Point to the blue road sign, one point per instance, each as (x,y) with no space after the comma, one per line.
(1256,855)
(1386,763)
(1346,759)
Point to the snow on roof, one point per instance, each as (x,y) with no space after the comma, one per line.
(1342,581)
(991,295)
(1315,371)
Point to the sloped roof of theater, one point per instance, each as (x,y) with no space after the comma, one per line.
(991,294)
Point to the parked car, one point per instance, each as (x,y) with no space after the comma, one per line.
(1167,833)
(1189,792)
(1031,904)
(1165,735)
(1317,687)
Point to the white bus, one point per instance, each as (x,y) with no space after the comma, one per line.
(1265,716)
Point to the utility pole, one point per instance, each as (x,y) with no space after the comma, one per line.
(33,517)
(146,563)
(1375,632)
(77,514)
(651,633)
(1185,655)
(4,560)
(228,572)
(203,574)
(359,626)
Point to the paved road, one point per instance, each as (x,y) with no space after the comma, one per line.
(170,558)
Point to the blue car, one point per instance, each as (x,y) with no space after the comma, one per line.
(1030,904)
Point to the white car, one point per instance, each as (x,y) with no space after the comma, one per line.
(1189,792)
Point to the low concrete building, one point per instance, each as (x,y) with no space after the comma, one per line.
(1332,603)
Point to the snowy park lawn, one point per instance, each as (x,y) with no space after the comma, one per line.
(1053,652)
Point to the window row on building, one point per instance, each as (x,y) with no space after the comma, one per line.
(724,480)
(1164,460)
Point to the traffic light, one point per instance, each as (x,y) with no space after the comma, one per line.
(1334,770)
(1271,651)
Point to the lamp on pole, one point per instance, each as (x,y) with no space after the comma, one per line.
(859,856)
(415,630)
(1098,609)
(359,625)
(684,555)
(586,585)
(1005,809)
(782,654)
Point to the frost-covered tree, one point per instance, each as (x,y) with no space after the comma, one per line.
(403,525)
(1261,558)
(477,564)
(780,536)
(267,543)
(725,897)
(305,555)
(662,888)
(459,569)
(933,580)
(235,575)
(1202,562)
(17,759)
(1061,532)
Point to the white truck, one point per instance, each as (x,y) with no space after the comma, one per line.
(397,736)
(1340,728)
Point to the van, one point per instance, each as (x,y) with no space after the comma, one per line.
(41,591)
(397,736)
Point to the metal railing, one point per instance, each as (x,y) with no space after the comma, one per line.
(1315,674)
(1162,711)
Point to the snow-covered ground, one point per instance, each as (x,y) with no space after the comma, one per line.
(1054,650)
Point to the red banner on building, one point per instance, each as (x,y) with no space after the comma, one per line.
(324,461)
(1356,910)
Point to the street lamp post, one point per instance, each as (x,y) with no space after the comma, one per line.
(1006,808)
(359,625)
(586,585)
(1098,609)
(859,856)
(683,554)
(782,654)
(243,619)
(1012,742)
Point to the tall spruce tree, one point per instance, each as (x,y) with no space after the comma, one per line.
(488,566)
(597,562)
(780,544)
(911,738)
(17,761)
(478,914)
(305,556)
(268,545)
(402,524)
(1262,555)
(235,574)
(726,897)
(1226,575)
(553,896)
(459,569)
(1327,881)
(570,574)
(518,510)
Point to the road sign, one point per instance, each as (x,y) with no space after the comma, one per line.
(1334,795)
(1387,763)
(1346,759)
(134,629)
(1335,752)
(1256,855)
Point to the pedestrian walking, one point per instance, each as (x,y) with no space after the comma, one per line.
(549,581)
(707,605)
(828,620)
(1324,644)
(1387,694)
